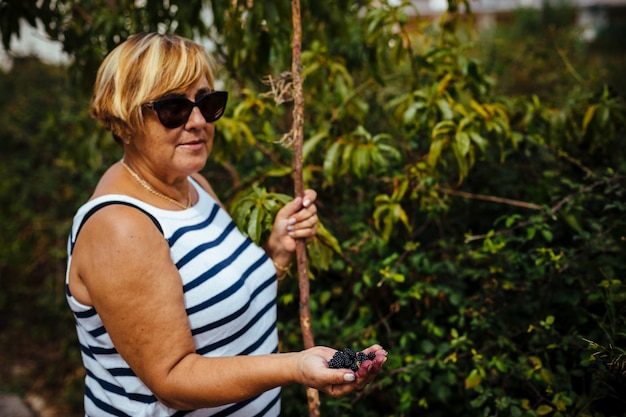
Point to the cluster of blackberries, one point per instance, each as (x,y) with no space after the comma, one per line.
(349,359)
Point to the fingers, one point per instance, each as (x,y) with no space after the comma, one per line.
(306,202)
(342,376)
(309,197)
(348,382)
(375,364)
(304,229)
(295,220)
(301,214)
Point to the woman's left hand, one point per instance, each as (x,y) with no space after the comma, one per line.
(296,220)
(338,382)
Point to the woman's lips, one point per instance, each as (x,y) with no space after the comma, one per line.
(197,144)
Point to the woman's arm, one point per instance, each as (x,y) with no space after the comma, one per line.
(123,265)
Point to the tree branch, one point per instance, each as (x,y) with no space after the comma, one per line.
(553,210)
(298,139)
(493,199)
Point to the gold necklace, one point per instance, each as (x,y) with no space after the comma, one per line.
(148,187)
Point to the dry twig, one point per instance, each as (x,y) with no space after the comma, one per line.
(298,139)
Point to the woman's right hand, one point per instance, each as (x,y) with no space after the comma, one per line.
(316,373)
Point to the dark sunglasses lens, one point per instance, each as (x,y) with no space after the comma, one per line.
(173,112)
(212,106)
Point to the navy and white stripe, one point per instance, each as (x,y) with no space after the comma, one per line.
(229,286)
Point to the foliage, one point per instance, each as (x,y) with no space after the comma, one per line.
(51,156)
(473,229)
(519,52)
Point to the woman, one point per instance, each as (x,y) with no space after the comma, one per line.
(176,309)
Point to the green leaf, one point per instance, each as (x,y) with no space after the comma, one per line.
(410,113)
(591,111)
(331,161)
(445,109)
(327,238)
(242,210)
(443,129)
(547,235)
(361,160)
(461,161)
(254,224)
(479,141)
(473,379)
(279,171)
(463,142)
(544,409)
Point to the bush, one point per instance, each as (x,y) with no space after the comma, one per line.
(474,230)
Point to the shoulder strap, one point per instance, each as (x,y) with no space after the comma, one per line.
(108,203)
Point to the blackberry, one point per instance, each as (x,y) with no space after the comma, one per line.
(348,359)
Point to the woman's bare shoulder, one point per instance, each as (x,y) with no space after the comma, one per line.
(113,181)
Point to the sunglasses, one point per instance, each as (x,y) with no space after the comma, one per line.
(174,112)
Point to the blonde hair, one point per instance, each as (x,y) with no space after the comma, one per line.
(145,67)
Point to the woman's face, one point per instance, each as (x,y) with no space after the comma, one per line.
(177,152)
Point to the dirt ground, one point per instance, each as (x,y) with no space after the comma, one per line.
(39,376)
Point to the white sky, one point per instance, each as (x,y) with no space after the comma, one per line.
(33,42)
(438,5)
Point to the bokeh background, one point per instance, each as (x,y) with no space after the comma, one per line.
(470,158)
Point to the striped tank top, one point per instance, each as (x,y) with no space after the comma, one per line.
(229,288)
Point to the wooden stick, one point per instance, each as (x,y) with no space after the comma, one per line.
(298,139)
